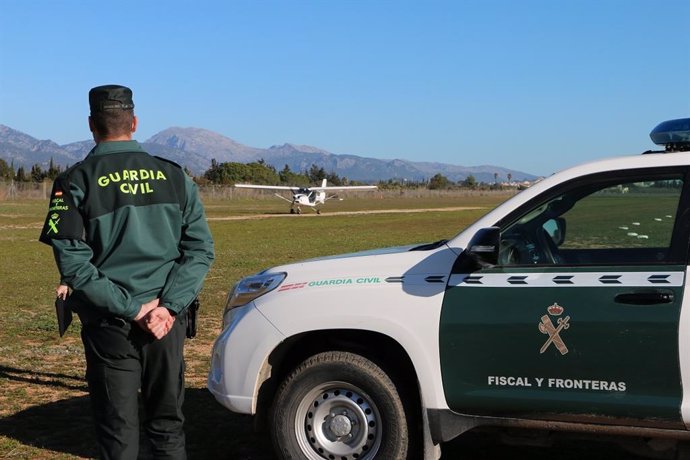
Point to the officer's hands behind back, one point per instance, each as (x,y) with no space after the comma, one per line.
(155,319)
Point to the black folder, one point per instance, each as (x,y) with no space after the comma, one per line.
(64,315)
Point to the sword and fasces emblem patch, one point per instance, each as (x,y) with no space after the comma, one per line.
(53,222)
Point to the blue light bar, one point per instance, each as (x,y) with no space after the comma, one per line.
(672,132)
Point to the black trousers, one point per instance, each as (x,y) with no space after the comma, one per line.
(122,359)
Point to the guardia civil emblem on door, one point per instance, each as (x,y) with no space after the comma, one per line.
(546,326)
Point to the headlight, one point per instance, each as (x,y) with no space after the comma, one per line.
(252,287)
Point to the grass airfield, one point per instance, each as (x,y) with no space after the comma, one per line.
(44,409)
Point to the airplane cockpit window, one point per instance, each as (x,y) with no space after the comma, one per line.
(622,223)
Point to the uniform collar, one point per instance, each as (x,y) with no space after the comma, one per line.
(105,148)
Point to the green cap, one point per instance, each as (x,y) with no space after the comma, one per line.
(110,97)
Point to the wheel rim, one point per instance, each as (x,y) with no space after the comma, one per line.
(338,421)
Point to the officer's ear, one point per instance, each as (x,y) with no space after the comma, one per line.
(134,123)
(92,128)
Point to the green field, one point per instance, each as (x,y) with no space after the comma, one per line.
(43,401)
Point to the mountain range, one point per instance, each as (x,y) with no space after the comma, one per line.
(194,148)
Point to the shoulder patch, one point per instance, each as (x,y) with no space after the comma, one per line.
(64,221)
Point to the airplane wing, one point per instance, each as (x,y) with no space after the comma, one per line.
(282,197)
(345,187)
(268,187)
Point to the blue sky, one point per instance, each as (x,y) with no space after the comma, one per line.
(532,85)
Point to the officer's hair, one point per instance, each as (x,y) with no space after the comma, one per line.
(113,123)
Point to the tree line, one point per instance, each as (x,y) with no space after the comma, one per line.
(35,174)
(261,173)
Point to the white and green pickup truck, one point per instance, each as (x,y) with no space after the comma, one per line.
(564,308)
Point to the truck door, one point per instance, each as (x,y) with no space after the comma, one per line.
(579,319)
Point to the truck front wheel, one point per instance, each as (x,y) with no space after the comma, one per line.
(338,405)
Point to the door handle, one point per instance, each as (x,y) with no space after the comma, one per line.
(645,298)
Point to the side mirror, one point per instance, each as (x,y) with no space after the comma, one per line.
(484,245)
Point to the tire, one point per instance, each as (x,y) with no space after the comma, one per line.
(341,406)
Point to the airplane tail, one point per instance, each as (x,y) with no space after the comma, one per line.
(323,183)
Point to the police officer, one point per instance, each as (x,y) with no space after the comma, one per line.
(130,238)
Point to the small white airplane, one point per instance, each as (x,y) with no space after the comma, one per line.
(307,196)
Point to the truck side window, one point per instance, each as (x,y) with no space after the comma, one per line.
(619,223)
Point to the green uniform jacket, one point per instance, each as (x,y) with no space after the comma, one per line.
(126,228)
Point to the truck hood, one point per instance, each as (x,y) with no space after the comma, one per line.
(435,258)
(370,252)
